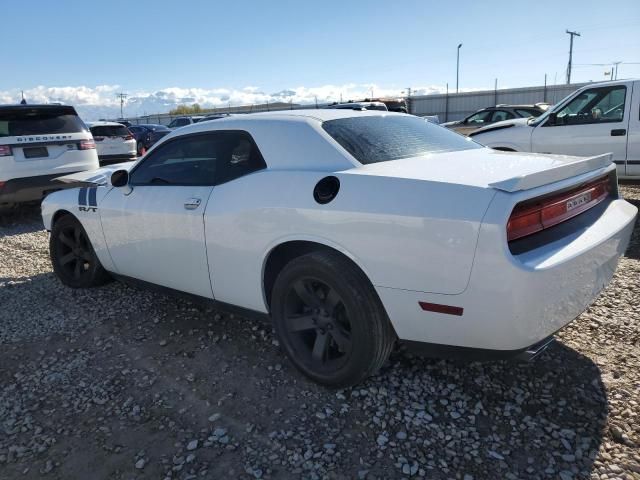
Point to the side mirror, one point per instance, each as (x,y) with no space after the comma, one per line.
(120,178)
(553,119)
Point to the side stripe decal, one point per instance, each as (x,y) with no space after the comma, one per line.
(82,196)
(92,197)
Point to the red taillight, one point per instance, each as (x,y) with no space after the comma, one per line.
(86,145)
(5,151)
(128,137)
(535,215)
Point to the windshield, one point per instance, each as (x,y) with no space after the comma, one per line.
(371,139)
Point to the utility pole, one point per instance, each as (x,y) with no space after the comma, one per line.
(458,67)
(571,35)
(122,97)
(616,71)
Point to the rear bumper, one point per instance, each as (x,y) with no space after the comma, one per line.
(30,189)
(515,301)
(479,354)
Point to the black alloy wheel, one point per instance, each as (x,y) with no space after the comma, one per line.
(74,260)
(330,320)
(318,324)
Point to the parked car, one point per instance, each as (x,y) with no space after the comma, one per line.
(147,134)
(37,144)
(114,142)
(597,118)
(359,106)
(126,123)
(393,104)
(490,115)
(216,116)
(184,121)
(352,229)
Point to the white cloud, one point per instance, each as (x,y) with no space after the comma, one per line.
(101,101)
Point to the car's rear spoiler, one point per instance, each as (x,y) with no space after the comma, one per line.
(553,174)
(95,177)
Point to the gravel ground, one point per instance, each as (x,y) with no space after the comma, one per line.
(120,383)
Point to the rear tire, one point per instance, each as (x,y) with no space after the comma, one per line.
(74,261)
(330,320)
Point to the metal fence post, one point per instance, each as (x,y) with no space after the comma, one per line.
(446,105)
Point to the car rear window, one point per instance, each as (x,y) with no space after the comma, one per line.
(372,139)
(39,121)
(109,131)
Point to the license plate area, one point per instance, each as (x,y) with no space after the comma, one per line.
(35,152)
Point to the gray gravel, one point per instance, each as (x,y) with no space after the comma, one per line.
(121,383)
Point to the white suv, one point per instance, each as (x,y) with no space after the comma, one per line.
(114,142)
(37,144)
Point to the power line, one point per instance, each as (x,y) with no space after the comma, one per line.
(571,35)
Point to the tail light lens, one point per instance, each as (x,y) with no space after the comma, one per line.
(535,215)
(128,137)
(5,151)
(86,145)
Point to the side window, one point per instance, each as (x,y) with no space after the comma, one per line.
(203,159)
(526,113)
(240,156)
(598,105)
(500,115)
(190,160)
(479,118)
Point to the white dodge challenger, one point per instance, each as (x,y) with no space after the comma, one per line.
(352,230)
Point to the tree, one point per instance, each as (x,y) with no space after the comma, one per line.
(186,110)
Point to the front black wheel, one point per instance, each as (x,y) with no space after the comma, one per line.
(330,320)
(74,261)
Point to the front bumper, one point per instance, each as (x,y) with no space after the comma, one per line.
(31,189)
(513,301)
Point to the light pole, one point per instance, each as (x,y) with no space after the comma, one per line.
(458,67)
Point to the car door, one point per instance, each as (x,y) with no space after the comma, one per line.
(592,123)
(154,227)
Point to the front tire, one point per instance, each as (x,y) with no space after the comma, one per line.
(330,320)
(74,261)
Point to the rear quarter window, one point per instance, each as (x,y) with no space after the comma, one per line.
(371,139)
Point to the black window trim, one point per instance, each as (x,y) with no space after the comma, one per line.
(244,133)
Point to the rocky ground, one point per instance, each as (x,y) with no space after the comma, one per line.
(120,383)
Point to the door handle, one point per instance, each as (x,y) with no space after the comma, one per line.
(192,203)
(618,132)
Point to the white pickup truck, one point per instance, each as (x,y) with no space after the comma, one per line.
(598,118)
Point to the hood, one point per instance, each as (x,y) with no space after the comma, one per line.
(101,176)
(487,168)
(516,122)
(451,124)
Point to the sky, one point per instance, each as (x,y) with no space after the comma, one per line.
(164,53)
